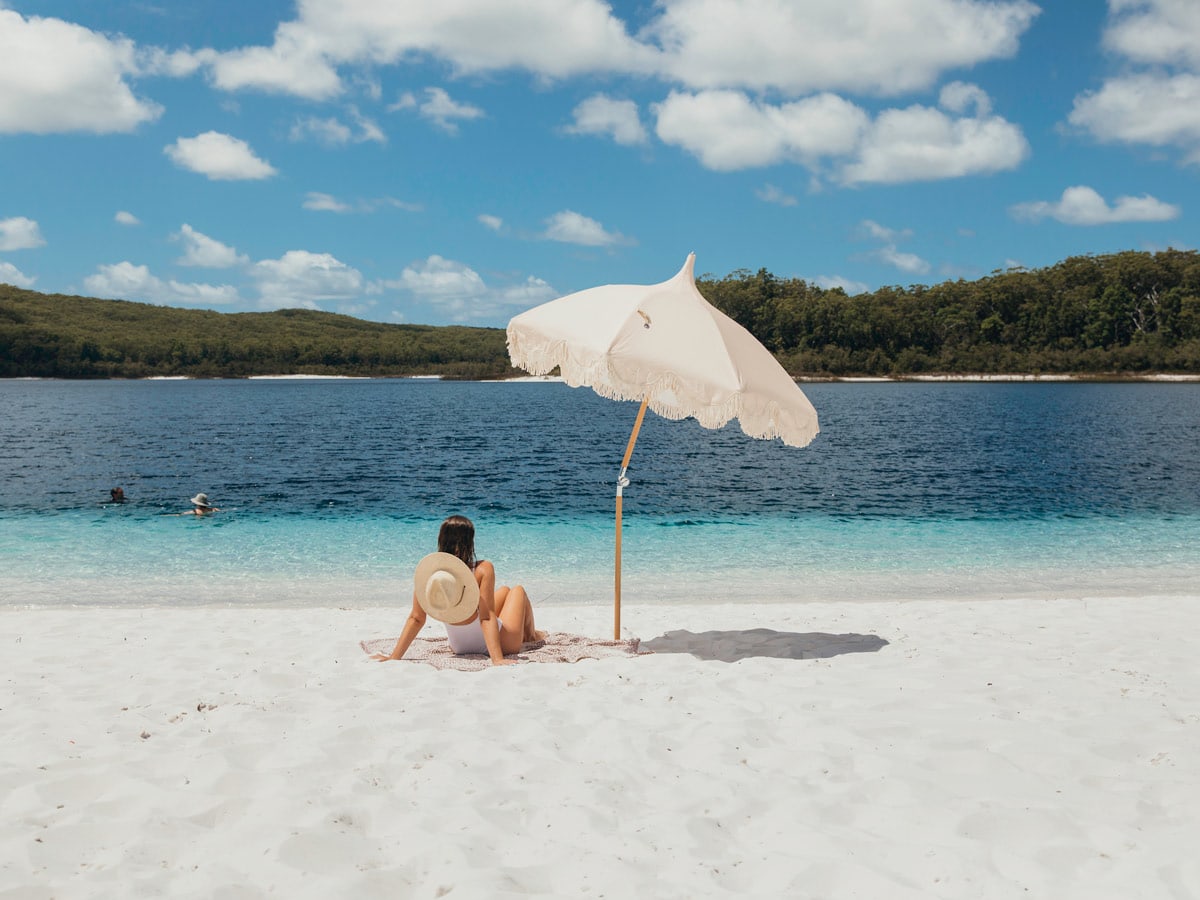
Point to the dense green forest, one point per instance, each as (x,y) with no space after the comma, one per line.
(1124,313)
(1121,314)
(50,335)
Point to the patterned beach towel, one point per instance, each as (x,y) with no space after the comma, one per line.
(557,647)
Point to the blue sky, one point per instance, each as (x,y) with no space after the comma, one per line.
(462,160)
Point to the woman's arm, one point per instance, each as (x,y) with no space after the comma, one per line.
(491,636)
(412,627)
(486,576)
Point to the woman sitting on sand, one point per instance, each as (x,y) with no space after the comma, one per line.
(455,588)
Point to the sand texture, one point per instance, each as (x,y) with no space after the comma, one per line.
(941,749)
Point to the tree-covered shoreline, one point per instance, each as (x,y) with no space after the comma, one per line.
(57,336)
(1122,314)
(1119,315)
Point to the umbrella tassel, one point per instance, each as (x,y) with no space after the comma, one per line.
(622,483)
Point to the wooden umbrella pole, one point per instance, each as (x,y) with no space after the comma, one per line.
(622,482)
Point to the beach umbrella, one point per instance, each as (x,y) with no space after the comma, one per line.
(668,347)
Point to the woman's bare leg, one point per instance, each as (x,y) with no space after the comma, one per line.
(516,612)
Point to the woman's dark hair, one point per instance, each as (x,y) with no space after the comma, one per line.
(457,537)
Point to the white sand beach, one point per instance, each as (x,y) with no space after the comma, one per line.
(924,749)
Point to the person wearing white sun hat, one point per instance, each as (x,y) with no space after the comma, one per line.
(200,507)
(461,592)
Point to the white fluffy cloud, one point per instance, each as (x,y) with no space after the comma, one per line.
(295,64)
(1160,104)
(905,262)
(123,217)
(849,285)
(869,46)
(532,291)
(439,108)
(125,281)
(889,253)
(205,252)
(726,130)
(336,133)
(10,274)
(302,279)
(315,200)
(175,63)
(1148,108)
(552,38)
(219,157)
(59,77)
(603,115)
(1155,32)
(873,230)
(958,97)
(20,233)
(493,223)
(1081,205)
(770,193)
(445,112)
(460,293)
(570,227)
(443,281)
(329,131)
(920,143)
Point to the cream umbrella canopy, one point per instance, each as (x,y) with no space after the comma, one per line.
(668,347)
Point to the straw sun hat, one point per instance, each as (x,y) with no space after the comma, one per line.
(446,588)
(201,500)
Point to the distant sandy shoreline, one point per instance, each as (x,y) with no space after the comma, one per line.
(1021,378)
(1155,377)
(850,379)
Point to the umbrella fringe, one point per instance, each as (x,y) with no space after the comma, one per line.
(669,395)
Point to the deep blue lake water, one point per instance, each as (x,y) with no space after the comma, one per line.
(332,489)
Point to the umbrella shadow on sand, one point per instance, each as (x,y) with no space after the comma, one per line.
(730,646)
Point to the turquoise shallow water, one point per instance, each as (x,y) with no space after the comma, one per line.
(332,490)
(355,561)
